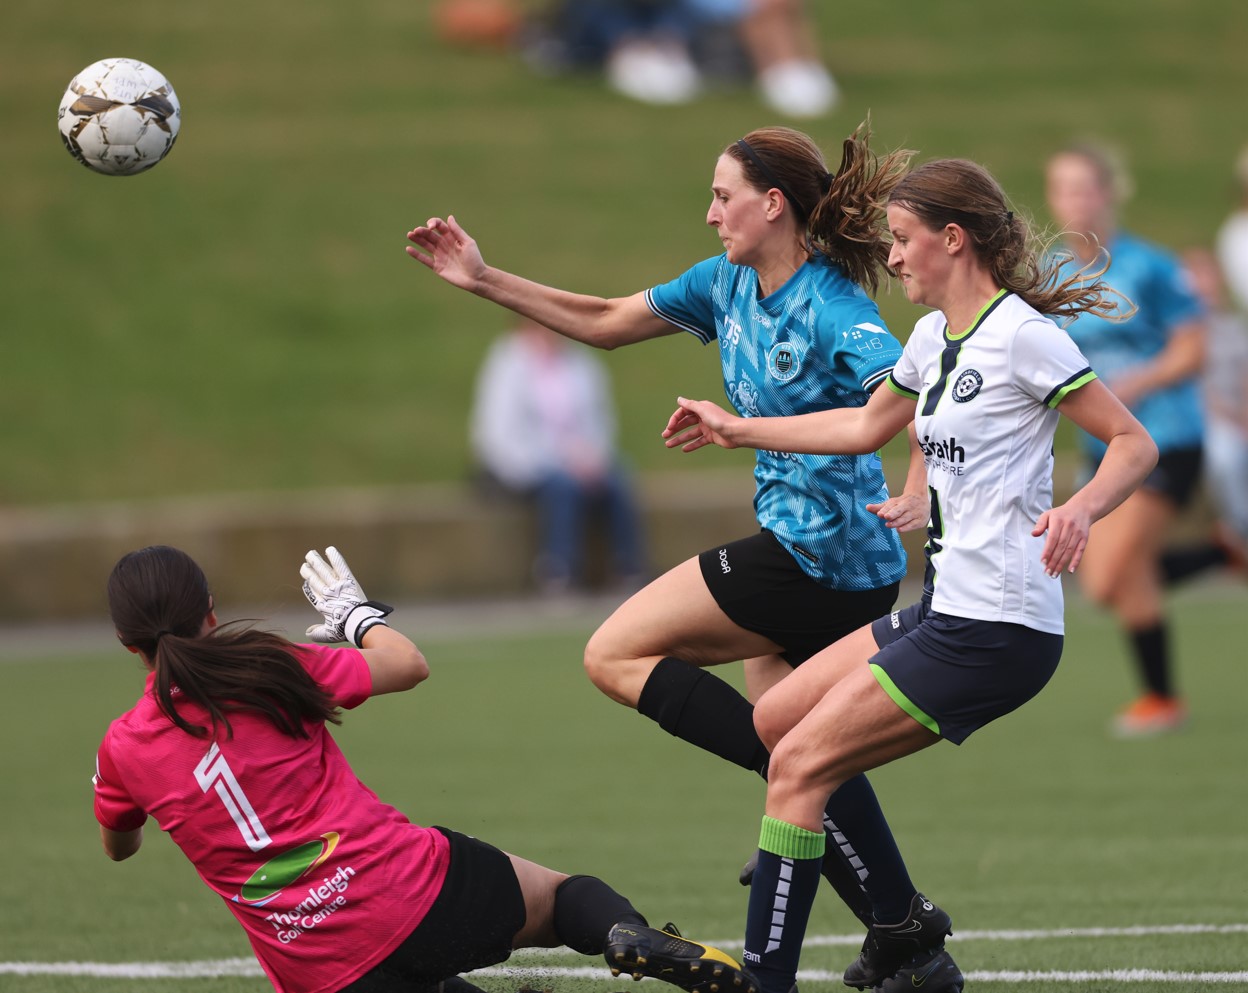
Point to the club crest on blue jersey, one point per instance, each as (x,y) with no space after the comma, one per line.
(782,362)
(967,385)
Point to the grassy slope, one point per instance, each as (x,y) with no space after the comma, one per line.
(244,315)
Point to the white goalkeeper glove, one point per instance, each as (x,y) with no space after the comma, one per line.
(333,590)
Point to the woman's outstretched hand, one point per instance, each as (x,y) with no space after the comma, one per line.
(904,512)
(447,249)
(698,423)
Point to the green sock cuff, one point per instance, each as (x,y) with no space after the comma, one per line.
(790,841)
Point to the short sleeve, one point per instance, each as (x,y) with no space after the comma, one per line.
(114,807)
(867,349)
(342,671)
(1047,365)
(686,300)
(1171,296)
(906,377)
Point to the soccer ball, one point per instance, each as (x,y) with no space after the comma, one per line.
(119,117)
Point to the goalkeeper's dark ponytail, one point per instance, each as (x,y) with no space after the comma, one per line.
(159,601)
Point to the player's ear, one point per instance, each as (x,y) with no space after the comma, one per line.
(955,238)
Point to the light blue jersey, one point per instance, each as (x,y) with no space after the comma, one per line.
(817,342)
(1150,278)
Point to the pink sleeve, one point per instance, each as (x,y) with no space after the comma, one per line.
(113,806)
(342,671)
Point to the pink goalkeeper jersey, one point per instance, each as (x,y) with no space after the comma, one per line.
(325,878)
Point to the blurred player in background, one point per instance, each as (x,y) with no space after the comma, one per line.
(543,428)
(229,750)
(983,379)
(795,332)
(1151,361)
(1225,392)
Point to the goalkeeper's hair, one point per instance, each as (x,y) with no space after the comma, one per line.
(158,599)
(956,191)
(841,214)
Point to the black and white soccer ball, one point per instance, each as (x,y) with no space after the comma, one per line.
(119,117)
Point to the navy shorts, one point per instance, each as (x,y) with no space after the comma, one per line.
(760,586)
(954,675)
(471,924)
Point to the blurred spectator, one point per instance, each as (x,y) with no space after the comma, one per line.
(543,427)
(662,51)
(491,23)
(1233,240)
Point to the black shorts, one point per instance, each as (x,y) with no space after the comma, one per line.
(1176,475)
(953,674)
(471,924)
(760,586)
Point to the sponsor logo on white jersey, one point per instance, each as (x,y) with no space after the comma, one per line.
(944,454)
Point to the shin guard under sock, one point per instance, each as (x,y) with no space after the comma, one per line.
(703,710)
(586,908)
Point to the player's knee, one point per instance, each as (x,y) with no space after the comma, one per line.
(772,722)
(603,663)
(796,770)
(1100,588)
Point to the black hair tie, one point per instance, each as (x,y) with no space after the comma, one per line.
(160,634)
(772,178)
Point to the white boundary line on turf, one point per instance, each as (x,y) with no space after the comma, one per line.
(249,966)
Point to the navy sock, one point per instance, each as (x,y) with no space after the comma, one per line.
(781,895)
(859,835)
(702,709)
(1152,657)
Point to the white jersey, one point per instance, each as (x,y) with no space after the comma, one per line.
(985,418)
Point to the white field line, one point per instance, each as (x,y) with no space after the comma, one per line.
(249,966)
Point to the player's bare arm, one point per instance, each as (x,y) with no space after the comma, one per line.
(603,322)
(911,509)
(120,845)
(1130,457)
(843,431)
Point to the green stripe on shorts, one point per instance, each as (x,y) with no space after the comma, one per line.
(902,700)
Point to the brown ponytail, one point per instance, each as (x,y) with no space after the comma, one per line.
(841,214)
(158,600)
(955,191)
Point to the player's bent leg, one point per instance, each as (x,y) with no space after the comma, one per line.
(538,886)
(762,673)
(856,726)
(1126,539)
(673,616)
(786,703)
(666,954)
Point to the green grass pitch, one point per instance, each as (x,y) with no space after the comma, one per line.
(1040,822)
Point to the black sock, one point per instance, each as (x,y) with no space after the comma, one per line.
(870,874)
(702,709)
(1180,563)
(1152,656)
(586,908)
(456,984)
